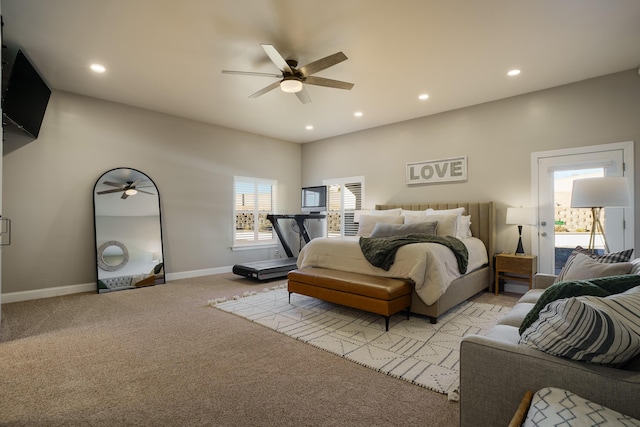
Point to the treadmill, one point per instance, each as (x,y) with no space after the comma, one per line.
(277,268)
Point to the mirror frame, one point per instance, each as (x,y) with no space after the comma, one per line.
(108,267)
(158,278)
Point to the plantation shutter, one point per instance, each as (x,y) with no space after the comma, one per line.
(254,200)
(344,199)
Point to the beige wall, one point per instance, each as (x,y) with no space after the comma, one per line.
(498,139)
(48,184)
(48,188)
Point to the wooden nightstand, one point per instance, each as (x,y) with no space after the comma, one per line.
(524,266)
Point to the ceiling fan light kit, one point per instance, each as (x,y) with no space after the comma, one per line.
(291,85)
(292,78)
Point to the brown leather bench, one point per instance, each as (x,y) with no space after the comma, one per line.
(380,295)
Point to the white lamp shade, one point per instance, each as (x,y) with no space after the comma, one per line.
(609,192)
(521,216)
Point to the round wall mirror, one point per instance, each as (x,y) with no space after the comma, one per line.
(112,256)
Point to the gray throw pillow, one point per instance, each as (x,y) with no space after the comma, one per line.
(392,230)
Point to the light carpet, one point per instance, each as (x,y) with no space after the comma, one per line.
(414,350)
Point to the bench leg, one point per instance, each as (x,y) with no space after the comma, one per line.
(290,297)
(386,323)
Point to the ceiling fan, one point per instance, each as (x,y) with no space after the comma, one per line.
(128,189)
(292,77)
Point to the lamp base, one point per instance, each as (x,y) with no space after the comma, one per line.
(520,248)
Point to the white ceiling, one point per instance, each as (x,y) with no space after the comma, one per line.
(168,55)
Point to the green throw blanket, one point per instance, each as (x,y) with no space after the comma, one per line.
(381,251)
(600,287)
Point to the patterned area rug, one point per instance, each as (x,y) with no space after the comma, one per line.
(413,350)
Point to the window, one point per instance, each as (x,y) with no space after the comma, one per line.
(345,197)
(254,200)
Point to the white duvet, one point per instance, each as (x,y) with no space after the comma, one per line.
(431,266)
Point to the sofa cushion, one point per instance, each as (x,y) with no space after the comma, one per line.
(590,329)
(516,315)
(532,296)
(611,258)
(602,287)
(504,333)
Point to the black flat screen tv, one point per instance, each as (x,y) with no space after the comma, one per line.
(25,94)
(314,199)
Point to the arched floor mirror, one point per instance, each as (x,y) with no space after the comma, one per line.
(128,231)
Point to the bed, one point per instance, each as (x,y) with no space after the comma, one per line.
(434,293)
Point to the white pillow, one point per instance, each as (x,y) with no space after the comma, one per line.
(447,224)
(386,212)
(368,222)
(584,267)
(590,329)
(463,229)
(408,213)
(455,211)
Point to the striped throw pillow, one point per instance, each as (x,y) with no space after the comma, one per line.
(591,329)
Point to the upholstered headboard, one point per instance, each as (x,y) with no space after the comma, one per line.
(483,221)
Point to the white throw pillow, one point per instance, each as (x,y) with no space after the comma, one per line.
(368,222)
(447,224)
(408,213)
(455,211)
(590,329)
(584,267)
(463,227)
(386,212)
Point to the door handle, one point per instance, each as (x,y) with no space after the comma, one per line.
(543,234)
(543,223)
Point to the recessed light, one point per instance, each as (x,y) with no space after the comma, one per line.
(423,97)
(513,73)
(358,114)
(309,127)
(98,68)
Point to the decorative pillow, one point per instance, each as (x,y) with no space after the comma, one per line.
(386,212)
(552,406)
(584,267)
(600,287)
(622,256)
(367,222)
(408,213)
(590,329)
(390,230)
(447,224)
(463,227)
(455,211)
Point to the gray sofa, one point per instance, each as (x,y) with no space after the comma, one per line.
(496,371)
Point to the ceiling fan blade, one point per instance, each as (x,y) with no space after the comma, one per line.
(145,192)
(276,58)
(303,96)
(323,63)
(117,190)
(321,81)
(251,73)
(265,90)
(136,182)
(114,184)
(124,195)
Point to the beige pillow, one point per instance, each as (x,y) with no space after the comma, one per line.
(454,211)
(387,212)
(585,267)
(447,224)
(368,222)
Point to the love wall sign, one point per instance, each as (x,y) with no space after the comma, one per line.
(444,170)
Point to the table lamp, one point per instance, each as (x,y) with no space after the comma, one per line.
(521,216)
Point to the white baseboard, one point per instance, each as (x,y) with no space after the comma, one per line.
(92,287)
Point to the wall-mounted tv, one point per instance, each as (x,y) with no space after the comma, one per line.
(314,199)
(25,94)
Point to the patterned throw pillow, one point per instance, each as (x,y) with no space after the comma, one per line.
(622,256)
(552,406)
(590,329)
(600,287)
